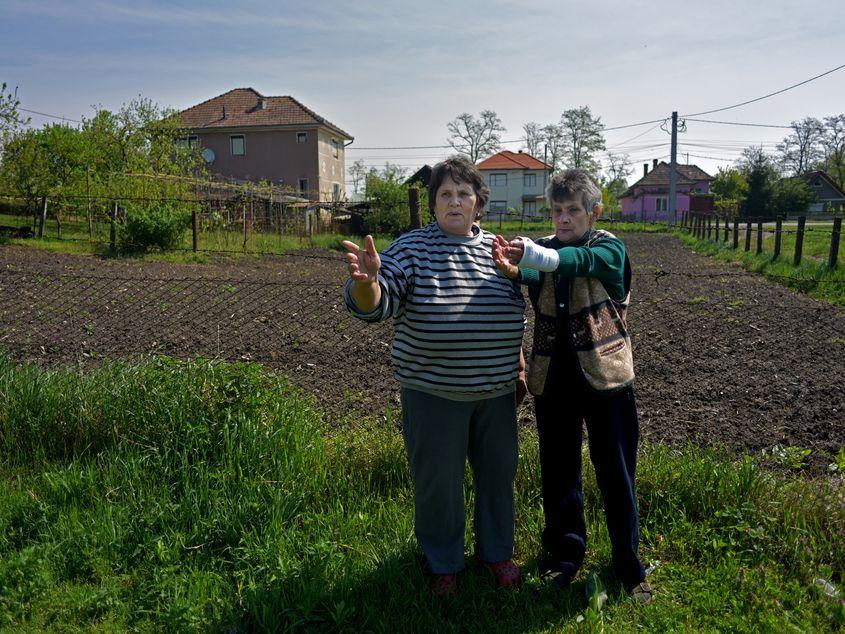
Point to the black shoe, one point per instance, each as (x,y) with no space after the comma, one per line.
(557,579)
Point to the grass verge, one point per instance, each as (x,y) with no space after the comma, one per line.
(811,276)
(173,496)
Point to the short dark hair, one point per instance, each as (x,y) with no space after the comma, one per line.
(570,184)
(461,170)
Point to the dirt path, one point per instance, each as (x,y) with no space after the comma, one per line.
(721,356)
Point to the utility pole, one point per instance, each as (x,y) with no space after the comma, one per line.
(673,172)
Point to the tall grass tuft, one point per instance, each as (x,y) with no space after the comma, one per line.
(195,495)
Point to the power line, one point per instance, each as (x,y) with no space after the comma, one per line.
(751,125)
(771,94)
(51,116)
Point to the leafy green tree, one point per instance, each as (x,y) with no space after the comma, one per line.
(760,173)
(388,196)
(583,139)
(791,196)
(802,149)
(10,118)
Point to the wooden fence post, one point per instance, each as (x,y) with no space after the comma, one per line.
(778,232)
(88,204)
(834,242)
(759,236)
(736,233)
(414,204)
(243,209)
(799,240)
(727,226)
(709,226)
(717,228)
(43,222)
(194,227)
(748,235)
(113,227)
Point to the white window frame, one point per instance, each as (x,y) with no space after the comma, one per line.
(498,206)
(335,148)
(495,178)
(193,141)
(529,180)
(336,193)
(661,203)
(529,207)
(301,137)
(232,138)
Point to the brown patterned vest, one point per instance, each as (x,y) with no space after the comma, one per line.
(598,329)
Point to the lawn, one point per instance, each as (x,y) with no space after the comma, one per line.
(195,495)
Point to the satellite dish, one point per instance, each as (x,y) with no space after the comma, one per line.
(208,155)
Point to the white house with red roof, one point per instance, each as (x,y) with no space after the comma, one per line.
(517,181)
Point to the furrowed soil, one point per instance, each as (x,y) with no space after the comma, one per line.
(722,356)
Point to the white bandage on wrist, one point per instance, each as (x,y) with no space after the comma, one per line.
(537,257)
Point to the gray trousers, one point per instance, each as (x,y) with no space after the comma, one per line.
(439,436)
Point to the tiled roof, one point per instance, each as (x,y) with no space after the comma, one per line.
(242,108)
(659,177)
(507,160)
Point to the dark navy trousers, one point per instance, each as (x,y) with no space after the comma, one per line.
(613,433)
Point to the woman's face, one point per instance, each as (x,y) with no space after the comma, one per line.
(571,220)
(454,207)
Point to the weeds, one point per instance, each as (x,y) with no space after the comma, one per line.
(211,496)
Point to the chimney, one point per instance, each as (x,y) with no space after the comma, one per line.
(645,170)
(654,164)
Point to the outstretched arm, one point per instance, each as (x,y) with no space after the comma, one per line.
(506,256)
(364,266)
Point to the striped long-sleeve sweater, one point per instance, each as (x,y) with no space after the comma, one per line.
(458,322)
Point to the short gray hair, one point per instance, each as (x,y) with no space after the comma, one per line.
(569,184)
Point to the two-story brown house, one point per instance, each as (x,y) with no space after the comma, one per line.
(250,137)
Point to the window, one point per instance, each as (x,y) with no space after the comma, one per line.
(236,144)
(335,146)
(303,185)
(301,137)
(529,207)
(498,206)
(661,204)
(498,180)
(529,180)
(336,192)
(818,183)
(193,142)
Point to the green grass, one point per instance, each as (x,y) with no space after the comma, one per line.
(812,276)
(175,496)
(75,240)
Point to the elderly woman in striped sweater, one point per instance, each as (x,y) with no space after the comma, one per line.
(456,354)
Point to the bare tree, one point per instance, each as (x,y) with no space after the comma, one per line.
(477,138)
(533,138)
(552,138)
(617,168)
(583,139)
(833,144)
(357,174)
(799,151)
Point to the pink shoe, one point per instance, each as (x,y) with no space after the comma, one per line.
(443,586)
(506,573)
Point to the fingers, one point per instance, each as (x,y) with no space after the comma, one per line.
(370,245)
(351,246)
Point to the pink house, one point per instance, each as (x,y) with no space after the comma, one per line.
(648,198)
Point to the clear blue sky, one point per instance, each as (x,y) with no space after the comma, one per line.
(395,73)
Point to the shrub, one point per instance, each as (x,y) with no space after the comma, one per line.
(155,226)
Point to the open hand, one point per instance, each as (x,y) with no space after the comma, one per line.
(506,255)
(363,264)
